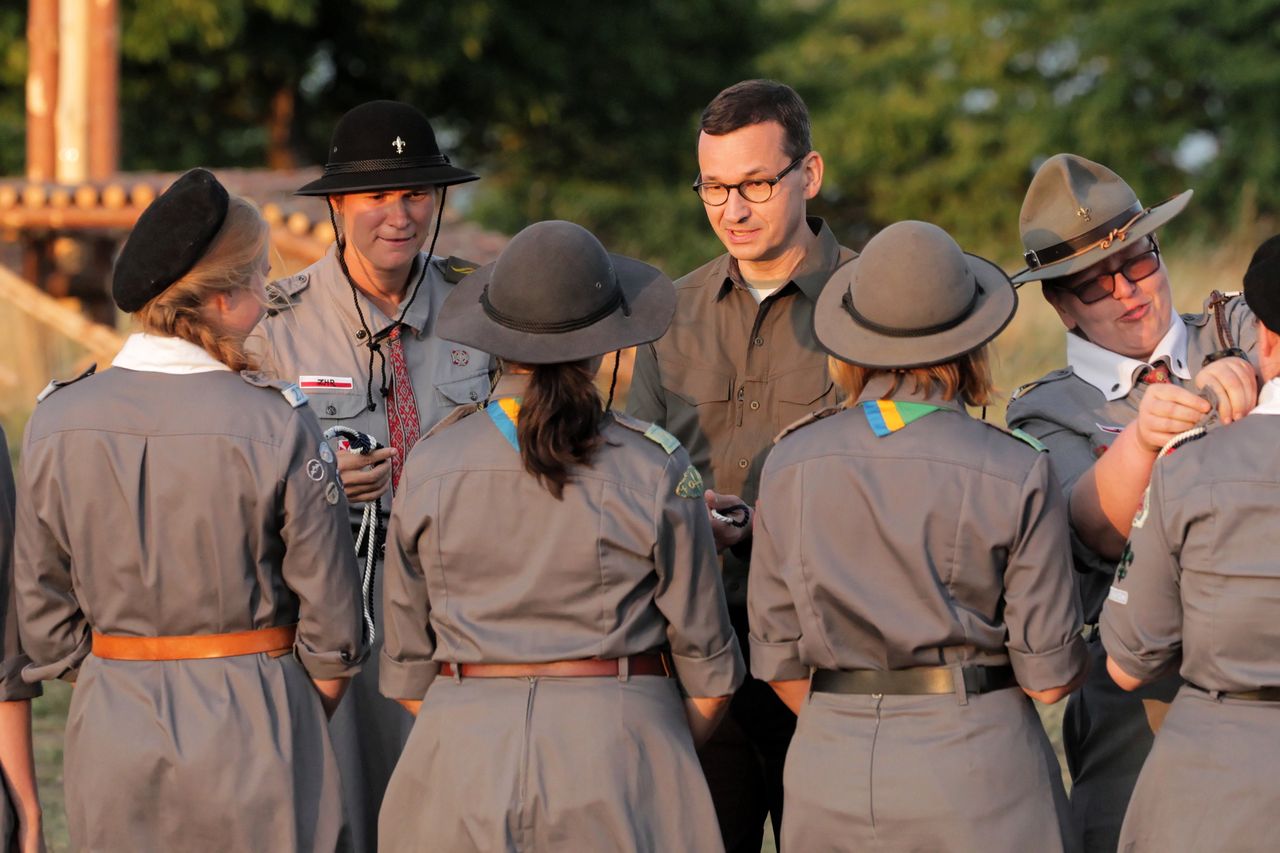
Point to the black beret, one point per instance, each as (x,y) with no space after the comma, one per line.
(169,237)
(1262,283)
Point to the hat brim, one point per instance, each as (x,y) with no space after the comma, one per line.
(844,337)
(391,179)
(1158,216)
(650,300)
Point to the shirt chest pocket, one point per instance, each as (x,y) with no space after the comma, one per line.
(696,386)
(348,408)
(462,392)
(800,392)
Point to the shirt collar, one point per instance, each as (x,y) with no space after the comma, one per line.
(878,389)
(340,290)
(1114,374)
(510,385)
(812,273)
(1268,399)
(158,354)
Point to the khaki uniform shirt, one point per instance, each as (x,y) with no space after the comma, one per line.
(12,687)
(313,337)
(1077,422)
(942,542)
(730,374)
(485,566)
(159,504)
(1199,583)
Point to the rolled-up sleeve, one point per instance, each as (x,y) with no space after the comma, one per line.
(690,592)
(1142,618)
(12,686)
(775,626)
(1042,608)
(319,563)
(406,668)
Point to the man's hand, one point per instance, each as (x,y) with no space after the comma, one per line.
(1167,410)
(726,534)
(365,478)
(1234,382)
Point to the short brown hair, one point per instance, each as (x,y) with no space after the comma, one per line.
(968,376)
(757,101)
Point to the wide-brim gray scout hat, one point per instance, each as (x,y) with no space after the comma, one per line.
(913,298)
(384,145)
(556,295)
(1078,212)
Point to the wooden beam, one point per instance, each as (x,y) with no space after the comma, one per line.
(71,115)
(104,89)
(102,341)
(42,88)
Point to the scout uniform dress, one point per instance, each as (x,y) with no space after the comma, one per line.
(883,546)
(728,375)
(169,497)
(313,336)
(12,686)
(1199,589)
(1077,412)
(485,566)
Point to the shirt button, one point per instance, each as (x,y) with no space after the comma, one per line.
(330,409)
(474,396)
(755,404)
(743,463)
(759,341)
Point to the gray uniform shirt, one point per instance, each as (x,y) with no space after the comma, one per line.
(485,566)
(313,336)
(12,687)
(1199,584)
(942,542)
(730,373)
(157,504)
(1077,422)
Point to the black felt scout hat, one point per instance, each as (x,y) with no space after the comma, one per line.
(169,237)
(556,295)
(1262,283)
(384,145)
(1078,212)
(912,299)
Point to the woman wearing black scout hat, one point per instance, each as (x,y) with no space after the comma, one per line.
(357,331)
(552,591)
(184,556)
(915,560)
(1198,591)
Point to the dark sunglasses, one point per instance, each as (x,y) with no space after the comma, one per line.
(1099,287)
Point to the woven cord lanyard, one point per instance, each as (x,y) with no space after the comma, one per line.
(370,536)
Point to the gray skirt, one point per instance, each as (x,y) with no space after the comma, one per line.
(549,764)
(917,773)
(200,755)
(1210,782)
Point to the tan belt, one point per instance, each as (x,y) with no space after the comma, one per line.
(651,663)
(196,646)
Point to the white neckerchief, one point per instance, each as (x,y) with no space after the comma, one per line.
(157,354)
(1268,399)
(1113,374)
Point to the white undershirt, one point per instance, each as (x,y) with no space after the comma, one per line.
(159,354)
(1268,399)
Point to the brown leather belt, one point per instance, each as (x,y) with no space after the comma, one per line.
(650,663)
(195,646)
(1262,694)
(918,680)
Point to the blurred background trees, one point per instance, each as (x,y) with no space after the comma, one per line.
(937,109)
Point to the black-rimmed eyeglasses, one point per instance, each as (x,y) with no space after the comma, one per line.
(1099,287)
(756,190)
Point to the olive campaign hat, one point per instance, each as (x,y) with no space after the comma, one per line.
(1078,212)
(912,299)
(170,236)
(384,145)
(1262,283)
(556,295)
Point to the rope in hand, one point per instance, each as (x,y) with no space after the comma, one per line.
(371,534)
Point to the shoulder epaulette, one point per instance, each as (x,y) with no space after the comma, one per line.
(452,418)
(651,431)
(63,383)
(455,269)
(1023,435)
(812,417)
(289,390)
(1060,373)
(280,292)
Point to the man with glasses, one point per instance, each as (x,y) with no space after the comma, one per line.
(739,364)
(1134,367)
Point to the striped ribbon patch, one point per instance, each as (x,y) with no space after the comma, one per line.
(504,413)
(886,416)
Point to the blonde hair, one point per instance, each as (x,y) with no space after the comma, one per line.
(968,376)
(227,266)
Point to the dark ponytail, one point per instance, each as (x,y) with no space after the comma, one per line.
(559,423)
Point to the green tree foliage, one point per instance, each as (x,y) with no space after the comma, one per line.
(13,75)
